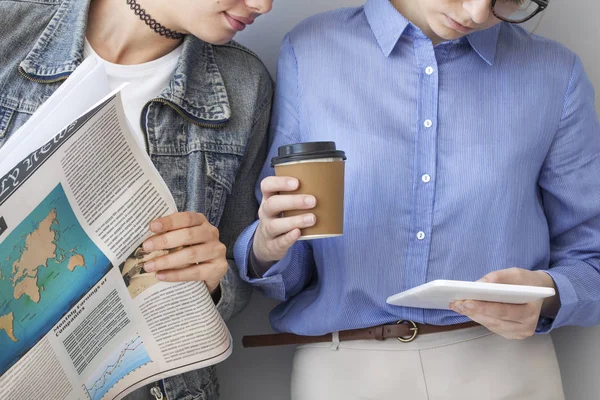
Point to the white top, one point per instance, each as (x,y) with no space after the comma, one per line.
(146,81)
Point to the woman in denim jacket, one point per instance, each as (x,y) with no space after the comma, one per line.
(198,102)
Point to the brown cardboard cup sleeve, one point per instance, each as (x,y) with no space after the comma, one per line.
(319,167)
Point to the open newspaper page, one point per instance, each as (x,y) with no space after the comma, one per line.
(79,317)
(85,86)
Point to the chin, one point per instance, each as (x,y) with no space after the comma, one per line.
(448,34)
(443,31)
(454,36)
(222,40)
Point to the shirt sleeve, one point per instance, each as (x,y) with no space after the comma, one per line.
(570,189)
(289,275)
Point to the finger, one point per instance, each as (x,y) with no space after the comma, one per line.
(519,313)
(275,205)
(272,185)
(507,329)
(187,256)
(177,221)
(507,276)
(280,226)
(282,243)
(182,237)
(209,272)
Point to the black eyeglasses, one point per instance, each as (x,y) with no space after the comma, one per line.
(518,11)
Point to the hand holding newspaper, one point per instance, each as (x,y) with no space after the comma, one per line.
(79,317)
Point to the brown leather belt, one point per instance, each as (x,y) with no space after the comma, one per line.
(404,331)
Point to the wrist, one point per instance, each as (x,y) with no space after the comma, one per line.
(551,305)
(259,266)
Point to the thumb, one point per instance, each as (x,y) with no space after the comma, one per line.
(502,276)
(510,276)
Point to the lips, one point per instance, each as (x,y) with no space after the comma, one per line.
(238,23)
(458,27)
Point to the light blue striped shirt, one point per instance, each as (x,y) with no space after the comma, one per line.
(472,156)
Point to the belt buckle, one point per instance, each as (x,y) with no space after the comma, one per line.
(414,329)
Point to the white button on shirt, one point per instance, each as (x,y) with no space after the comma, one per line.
(429,70)
(426,178)
(428,123)
(421,235)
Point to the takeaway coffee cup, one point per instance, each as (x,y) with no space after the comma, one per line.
(319,167)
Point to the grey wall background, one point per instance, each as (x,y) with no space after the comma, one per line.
(263,374)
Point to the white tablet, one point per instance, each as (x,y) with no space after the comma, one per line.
(440,293)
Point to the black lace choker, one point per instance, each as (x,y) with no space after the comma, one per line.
(152,23)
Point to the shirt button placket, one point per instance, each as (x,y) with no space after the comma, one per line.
(426,163)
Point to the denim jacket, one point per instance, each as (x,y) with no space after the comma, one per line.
(206,132)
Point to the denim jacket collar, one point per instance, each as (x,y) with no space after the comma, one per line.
(200,96)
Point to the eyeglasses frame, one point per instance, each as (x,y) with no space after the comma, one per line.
(543,4)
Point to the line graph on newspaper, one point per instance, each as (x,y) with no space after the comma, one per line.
(129,356)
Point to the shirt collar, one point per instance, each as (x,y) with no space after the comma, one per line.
(388,25)
(485,43)
(197,86)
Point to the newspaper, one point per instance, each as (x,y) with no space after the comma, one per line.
(79,317)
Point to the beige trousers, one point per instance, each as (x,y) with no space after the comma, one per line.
(468,364)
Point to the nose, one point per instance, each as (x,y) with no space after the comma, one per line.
(478,10)
(260,6)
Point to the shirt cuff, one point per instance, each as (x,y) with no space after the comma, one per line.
(568,303)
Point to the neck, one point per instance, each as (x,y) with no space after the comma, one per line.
(412,11)
(119,36)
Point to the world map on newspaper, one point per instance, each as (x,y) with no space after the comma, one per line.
(47,264)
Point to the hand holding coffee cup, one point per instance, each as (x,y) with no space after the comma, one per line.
(305,200)
(276,234)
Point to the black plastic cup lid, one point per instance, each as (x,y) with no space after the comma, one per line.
(306,151)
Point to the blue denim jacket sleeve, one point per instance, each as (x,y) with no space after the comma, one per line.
(240,210)
(291,274)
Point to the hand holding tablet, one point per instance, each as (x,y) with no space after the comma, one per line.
(439,294)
